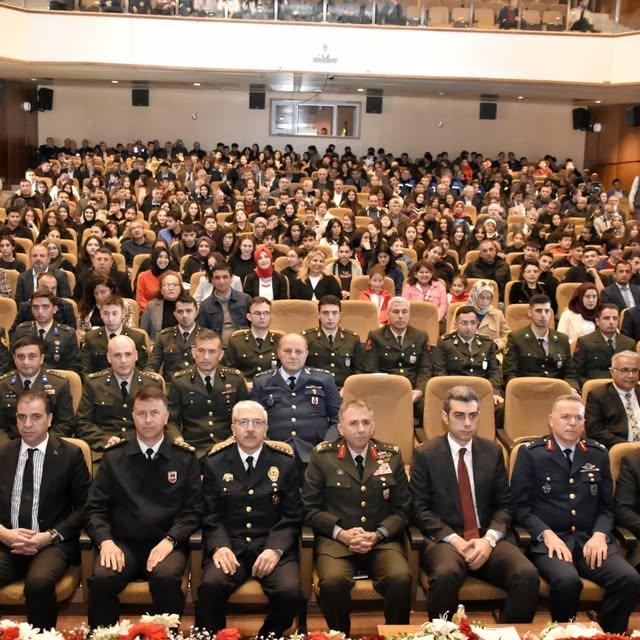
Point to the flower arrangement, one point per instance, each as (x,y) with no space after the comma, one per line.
(574,631)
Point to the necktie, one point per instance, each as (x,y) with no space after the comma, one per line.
(41,333)
(567,455)
(27,385)
(249,465)
(149,453)
(123,388)
(185,335)
(631,418)
(112,336)
(259,342)
(542,346)
(330,338)
(466,499)
(627,297)
(611,345)
(207,383)
(360,465)
(25,515)
(399,339)
(292,382)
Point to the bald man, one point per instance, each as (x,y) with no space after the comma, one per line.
(302,402)
(104,415)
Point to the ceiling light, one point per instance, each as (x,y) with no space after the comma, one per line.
(520,97)
(114,81)
(441,93)
(196,84)
(360,90)
(34,79)
(598,101)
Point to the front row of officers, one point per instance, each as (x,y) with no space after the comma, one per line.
(147,499)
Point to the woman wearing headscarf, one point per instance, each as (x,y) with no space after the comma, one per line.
(148,284)
(264,281)
(197,261)
(579,318)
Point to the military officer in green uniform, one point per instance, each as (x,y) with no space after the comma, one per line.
(400,349)
(61,349)
(28,356)
(355,497)
(202,396)
(331,347)
(538,350)
(104,414)
(255,349)
(93,355)
(464,352)
(593,352)
(172,350)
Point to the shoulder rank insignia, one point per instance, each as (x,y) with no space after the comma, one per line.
(282,447)
(181,444)
(326,445)
(115,445)
(221,446)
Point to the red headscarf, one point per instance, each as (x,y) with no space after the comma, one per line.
(263,273)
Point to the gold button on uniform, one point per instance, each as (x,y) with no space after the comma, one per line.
(248,539)
(572,496)
(363,519)
(293,419)
(249,525)
(571,481)
(573,529)
(294,433)
(250,492)
(363,504)
(363,488)
(248,509)
(573,512)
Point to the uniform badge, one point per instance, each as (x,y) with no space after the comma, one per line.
(594,489)
(340,472)
(385,494)
(412,358)
(347,362)
(228,477)
(275,498)
(172,477)
(270,402)
(314,401)
(485,365)
(546,488)
(273,474)
(382,469)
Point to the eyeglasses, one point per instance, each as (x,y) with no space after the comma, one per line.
(625,371)
(170,285)
(256,422)
(261,314)
(569,417)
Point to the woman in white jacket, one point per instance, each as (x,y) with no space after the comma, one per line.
(579,318)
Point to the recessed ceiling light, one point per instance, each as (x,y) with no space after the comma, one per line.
(34,79)
(317,90)
(115,81)
(441,93)
(520,97)
(361,90)
(196,84)
(598,101)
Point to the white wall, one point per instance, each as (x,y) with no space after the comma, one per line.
(406,124)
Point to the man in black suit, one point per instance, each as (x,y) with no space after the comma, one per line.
(631,323)
(461,503)
(613,410)
(102,264)
(593,352)
(620,292)
(28,280)
(44,481)
(627,500)
(586,271)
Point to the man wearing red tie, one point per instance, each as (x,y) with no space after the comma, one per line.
(461,503)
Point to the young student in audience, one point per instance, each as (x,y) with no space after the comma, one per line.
(377,294)
(458,290)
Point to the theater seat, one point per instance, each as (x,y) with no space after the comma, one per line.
(75,384)
(293,316)
(563,294)
(424,316)
(360,316)
(517,317)
(8,312)
(360,283)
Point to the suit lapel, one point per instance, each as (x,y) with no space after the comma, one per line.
(448,470)
(49,466)
(370,467)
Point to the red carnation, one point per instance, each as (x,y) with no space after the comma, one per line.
(466,629)
(317,635)
(10,633)
(229,634)
(147,631)
(373,636)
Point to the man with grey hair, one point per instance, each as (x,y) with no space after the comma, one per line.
(400,349)
(461,503)
(613,409)
(251,523)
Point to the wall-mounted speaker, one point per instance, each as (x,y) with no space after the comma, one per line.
(257,96)
(140,97)
(374,101)
(488,110)
(45,99)
(581,119)
(631,116)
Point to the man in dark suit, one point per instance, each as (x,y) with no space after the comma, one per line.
(461,503)
(102,264)
(144,504)
(44,483)
(562,494)
(613,410)
(593,352)
(627,500)
(631,323)
(620,292)
(252,519)
(28,280)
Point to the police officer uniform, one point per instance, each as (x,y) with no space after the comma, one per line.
(204,417)
(61,350)
(592,355)
(93,355)
(137,502)
(104,412)
(172,351)
(244,353)
(249,512)
(574,500)
(302,413)
(477,357)
(53,384)
(413,359)
(340,357)
(525,357)
(334,495)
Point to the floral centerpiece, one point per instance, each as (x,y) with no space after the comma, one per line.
(575,631)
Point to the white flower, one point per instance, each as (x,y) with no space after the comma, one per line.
(27,631)
(51,634)
(571,630)
(336,634)
(167,620)
(7,624)
(112,632)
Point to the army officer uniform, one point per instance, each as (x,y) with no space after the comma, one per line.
(93,355)
(251,355)
(172,351)
(61,350)
(341,356)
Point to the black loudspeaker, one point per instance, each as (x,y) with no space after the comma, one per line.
(140,97)
(45,99)
(488,110)
(374,104)
(631,116)
(257,99)
(581,119)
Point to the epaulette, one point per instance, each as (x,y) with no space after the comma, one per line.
(538,442)
(25,324)
(55,374)
(282,447)
(235,372)
(262,374)
(326,445)
(182,372)
(387,446)
(349,332)
(7,375)
(114,445)
(181,444)
(99,374)
(166,330)
(312,330)
(449,335)
(594,444)
(317,370)
(220,446)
